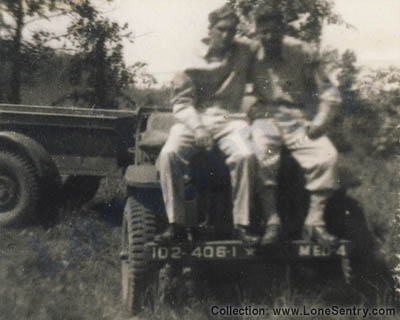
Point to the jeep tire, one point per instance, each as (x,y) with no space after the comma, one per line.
(138,228)
(19,189)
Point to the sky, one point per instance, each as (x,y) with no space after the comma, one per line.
(168,31)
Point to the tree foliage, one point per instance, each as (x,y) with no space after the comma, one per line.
(347,81)
(98,68)
(380,94)
(372,102)
(21,13)
(304,18)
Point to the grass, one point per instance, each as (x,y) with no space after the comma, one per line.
(379,195)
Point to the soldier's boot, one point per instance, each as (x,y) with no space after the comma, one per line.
(314,226)
(173,232)
(241,232)
(272,231)
(318,234)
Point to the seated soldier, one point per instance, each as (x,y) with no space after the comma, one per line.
(205,99)
(300,100)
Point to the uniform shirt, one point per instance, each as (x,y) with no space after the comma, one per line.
(296,77)
(213,83)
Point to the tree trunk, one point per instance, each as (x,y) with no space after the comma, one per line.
(16,63)
(100,83)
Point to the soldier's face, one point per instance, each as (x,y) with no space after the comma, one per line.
(269,31)
(222,33)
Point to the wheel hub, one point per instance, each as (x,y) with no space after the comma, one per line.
(8,192)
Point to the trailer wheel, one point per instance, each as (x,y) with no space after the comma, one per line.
(19,189)
(138,228)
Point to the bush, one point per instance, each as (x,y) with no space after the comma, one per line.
(379,114)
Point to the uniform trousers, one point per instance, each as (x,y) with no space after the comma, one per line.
(233,138)
(317,157)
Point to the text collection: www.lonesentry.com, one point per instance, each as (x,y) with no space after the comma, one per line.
(260,311)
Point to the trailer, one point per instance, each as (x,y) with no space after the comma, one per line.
(40,144)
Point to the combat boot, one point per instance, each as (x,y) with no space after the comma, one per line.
(314,226)
(174,232)
(272,234)
(318,234)
(272,231)
(242,233)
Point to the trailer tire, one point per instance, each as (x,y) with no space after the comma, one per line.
(138,228)
(19,189)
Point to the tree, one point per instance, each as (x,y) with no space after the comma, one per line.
(380,102)
(22,13)
(97,64)
(309,16)
(347,82)
(350,104)
(98,67)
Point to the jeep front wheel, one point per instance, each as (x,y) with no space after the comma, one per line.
(138,228)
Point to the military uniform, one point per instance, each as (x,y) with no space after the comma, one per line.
(207,95)
(290,89)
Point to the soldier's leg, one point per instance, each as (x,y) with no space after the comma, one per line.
(267,140)
(176,153)
(234,141)
(318,159)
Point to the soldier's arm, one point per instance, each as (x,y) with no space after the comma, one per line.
(183,101)
(328,98)
(258,78)
(257,74)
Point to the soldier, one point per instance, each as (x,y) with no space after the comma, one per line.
(205,98)
(300,101)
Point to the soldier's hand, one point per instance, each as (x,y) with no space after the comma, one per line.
(203,138)
(322,121)
(315,131)
(256,111)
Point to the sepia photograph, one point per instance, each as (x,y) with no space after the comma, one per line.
(199,159)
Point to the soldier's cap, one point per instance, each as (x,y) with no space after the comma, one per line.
(225,12)
(268,12)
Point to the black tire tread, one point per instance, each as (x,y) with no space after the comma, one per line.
(141,229)
(31,180)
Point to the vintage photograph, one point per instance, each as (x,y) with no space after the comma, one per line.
(199,159)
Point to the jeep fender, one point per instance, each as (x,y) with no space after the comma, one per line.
(30,150)
(142,176)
